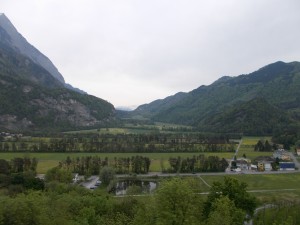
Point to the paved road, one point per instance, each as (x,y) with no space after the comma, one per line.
(293,157)
(160,174)
(267,206)
(237,149)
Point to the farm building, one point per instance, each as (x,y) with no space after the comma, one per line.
(286,166)
(281,154)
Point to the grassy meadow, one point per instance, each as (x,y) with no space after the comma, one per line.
(267,188)
(247,147)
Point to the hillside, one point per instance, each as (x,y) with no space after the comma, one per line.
(255,117)
(209,107)
(31,98)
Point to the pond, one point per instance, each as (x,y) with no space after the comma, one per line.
(134,187)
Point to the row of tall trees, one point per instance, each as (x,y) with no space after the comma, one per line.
(90,146)
(91,165)
(124,143)
(199,163)
(264,146)
(18,165)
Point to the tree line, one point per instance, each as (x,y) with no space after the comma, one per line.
(18,175)
(199,163)
(18,165)
(264,146)
(91,165)
(124,143)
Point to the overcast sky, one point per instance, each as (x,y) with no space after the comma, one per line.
(131,52)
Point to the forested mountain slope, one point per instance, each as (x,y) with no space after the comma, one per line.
(31,98)
(209,107)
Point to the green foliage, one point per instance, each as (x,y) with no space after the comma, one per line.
(107,174)
(43,104)
(279,213)
(287,137)
(197,164)
(224,212)
(175,203)
(4,167)
(19,174)
(235,191)
(254,117)
(297,144)
(144,142)
(264,146)
(58,174)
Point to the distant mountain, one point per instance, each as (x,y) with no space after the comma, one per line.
(161,104)
(33,94)
(222,105)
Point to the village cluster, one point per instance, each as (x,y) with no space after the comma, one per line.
(281,160)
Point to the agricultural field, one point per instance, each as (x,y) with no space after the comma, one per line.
(247,147)
(267,188)
(49,160)
(130,128)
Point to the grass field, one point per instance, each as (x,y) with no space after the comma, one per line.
(273,186)
(247,147)
(135,129)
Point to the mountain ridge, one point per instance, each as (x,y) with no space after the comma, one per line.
(25,48)
(19,43)
(31,98)
(278,83)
